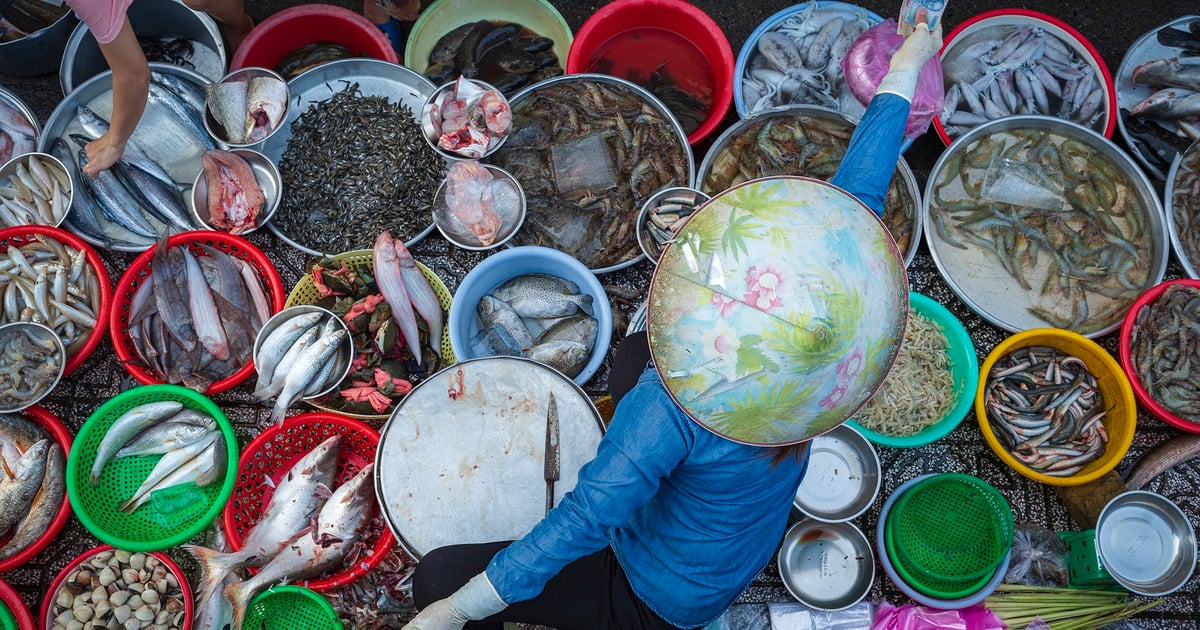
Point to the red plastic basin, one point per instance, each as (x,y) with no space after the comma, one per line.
(296,27)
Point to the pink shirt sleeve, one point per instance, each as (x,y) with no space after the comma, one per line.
(103,17)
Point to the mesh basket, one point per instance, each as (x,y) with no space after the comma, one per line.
(155,525)
(23,235)
(305,292)
(13,613)
(55,428)
(272,454)
(139,272)
(951,527)
(291,608)
(937,588)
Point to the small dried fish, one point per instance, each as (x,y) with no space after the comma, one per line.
(919,389)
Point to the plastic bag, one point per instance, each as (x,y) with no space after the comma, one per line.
(795,616)
(1038,557)
(915,617)
(866,63)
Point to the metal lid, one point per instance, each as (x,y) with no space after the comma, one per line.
(828,566)
(1146,543)
(842,479)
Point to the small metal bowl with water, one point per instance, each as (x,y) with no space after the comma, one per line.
(39,370)
(827,566)
(343,358)
(53,198)
(1146,543)
(842,479)
(268,178)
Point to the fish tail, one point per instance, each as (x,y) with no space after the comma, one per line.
(238,595)
(279,411)
(584,302)
(214,565)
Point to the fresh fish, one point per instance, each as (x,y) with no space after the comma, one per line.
(191,93)
(300,379)
(1176,450)
(298,496)
(213,610)
(161,200)
(17,492)
(494,341)
(390,279)
(116,202)
(126,427)
(269,387)
(421,295)
(95,126)
(20,432)
(580,328)
(165,437)
(543,296)
(1168,73)
(227,102)
(194,462)
(84,217)
(496,312)
(1169,103)
(186,116)
(267,102)
(205,317)
(279,341)
(567,357)
(235,198)
(45,505)
(172,303)
(339,527)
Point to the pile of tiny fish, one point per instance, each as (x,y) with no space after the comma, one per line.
(194,316)
(304,532)
(31,361)
(355,166)
(22,18)
(1045,408)
(795,142)
(382,324)
(136,201)
(1078,223)
(190,447)
(247,110)
(310,56)
(800,60)
(32,483)
(478,206)
(17,135)
(466,119)
(665,217)
(1167,121)
(1020,69)
(588,153)
(1164,349)
(919,389)
(302,357)
(1185,205)
(503,54)
(537,316)
(47,282)
(235,199)
(37,195)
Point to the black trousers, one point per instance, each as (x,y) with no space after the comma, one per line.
(590,593)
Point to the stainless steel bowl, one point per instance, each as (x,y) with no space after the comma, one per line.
(82,60)
(345,354)
(443,217)
(218,132)
(827,566)
(842,479)
(716,169)
(56,353)
(650,247)
(265,173)
(1146,543)
(430,128)
(972,268)
(9,171)
(13,100)
(1190,207)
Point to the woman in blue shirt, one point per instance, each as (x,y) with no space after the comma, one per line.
(670,522)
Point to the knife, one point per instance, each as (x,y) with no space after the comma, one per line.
(551,452)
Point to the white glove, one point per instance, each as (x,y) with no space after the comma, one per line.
(477,599)
(904,67)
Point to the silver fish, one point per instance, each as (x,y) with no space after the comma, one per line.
(17,492)
(339,526)
(1168,73)
(165,437)
(95,126)
(496,312)
(195,462)
(306,370)
(45,506)
(1169,103)
(115,201)
(125,427)
(277,343)
(161,200)
(190,93)
(298,496)
(184,114)
(270,387)
(567,357)
(543,296)
(204,310)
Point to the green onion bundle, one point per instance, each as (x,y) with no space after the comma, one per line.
(1063,608)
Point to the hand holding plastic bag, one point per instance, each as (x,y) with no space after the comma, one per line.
(870,59)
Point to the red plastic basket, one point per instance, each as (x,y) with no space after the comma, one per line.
(50,423)
(139,271)
(16,605)
(52,592)
(273,453)
(21,235)
(1127,360)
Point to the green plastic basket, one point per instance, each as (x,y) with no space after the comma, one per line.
(1084,569)
(8,621)
(291,608)
(149,528)
(951,527)
(938,589)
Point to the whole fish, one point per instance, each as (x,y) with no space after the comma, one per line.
(543,296)
(1168,73)
(1169,103)
(44,507)
(496,312)
(266,103)
(190,93)
(21,432)
(95,126)
(302,378)
(17,492)
(167,436)
(187,117)
(390,278)
(319,549)
(298,496)
(172,303)
(195,462)
(579,328)
(270,387)
(279,341)
(125,427)
(205,317)
(421,295)
(161,200)
(116,202)
(567,357)
(1174,451)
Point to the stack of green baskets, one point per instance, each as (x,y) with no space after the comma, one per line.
(291,608)
(948,534)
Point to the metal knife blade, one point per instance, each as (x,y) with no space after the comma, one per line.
(551,452)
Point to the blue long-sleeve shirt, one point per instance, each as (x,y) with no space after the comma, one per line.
(691,516)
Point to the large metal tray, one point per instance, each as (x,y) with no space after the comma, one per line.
(374,78)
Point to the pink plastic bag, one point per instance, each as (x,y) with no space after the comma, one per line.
(866,63)
(915,617)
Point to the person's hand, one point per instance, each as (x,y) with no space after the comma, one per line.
(919,47)
(102,153)
(439,615)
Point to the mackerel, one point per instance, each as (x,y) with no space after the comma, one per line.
(162,200)
(116,202)
(190,93)
(95,126)
(187,116)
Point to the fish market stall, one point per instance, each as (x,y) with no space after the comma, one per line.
(319,252)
